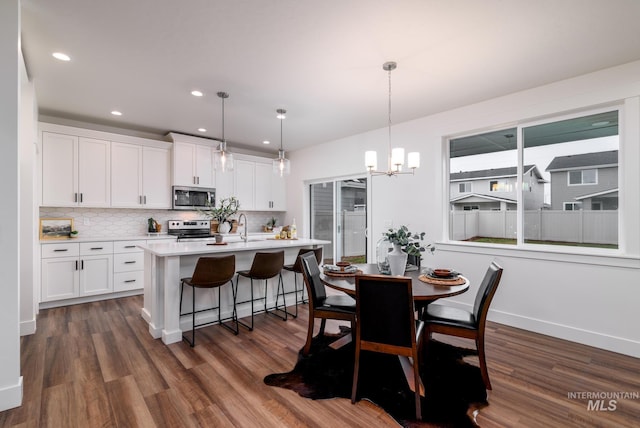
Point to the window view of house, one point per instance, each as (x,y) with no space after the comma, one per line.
(579,158)
(569,184)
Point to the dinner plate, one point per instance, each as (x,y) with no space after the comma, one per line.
(429,272)
(338,269)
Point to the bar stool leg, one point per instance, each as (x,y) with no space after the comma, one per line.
(277,307)
(234,315)
(242,323)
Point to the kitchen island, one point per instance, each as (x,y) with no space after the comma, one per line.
(166,262)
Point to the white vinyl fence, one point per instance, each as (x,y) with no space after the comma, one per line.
(354,224)
(590,227)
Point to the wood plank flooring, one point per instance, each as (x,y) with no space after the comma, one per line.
(96,365)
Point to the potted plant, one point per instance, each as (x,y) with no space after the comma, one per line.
(270,224)
(73,234)
(405,244)
(222,214)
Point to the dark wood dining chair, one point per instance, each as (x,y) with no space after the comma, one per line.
(265,266)
(210,272)
(385,323)
(337,307)
(461,323)
(296,268)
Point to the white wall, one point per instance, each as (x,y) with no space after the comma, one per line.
(29,270)
(10,379)
(588,299)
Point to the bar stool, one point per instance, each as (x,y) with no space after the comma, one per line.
(296,268)
(264,266)
(210,272)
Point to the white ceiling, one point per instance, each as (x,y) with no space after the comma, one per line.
(320,60)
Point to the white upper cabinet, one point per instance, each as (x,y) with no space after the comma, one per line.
(270,189)
(156,177)
(192,165)
(75,171)
(245,184)
(257,187)
(140,176)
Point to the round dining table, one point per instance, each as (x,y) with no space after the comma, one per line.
(423,292)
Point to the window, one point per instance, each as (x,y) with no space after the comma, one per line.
(499,186)
(585,176)
(464,187)
(567,193)
(572,206)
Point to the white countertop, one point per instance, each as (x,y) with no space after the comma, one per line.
(164,249)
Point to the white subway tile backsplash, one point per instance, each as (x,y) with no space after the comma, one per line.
(101,222)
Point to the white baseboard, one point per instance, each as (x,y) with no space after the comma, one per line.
(27,327)
(561,331)
(11,396)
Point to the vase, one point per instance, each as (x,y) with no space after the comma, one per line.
(397,260)
(224,227)
(382,249)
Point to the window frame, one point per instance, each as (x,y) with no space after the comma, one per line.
(520,125)
(582,182)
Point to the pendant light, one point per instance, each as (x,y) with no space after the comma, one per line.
(281,165)
(223,159)
(395,156)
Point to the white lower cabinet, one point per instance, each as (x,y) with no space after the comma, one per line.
(128,266)
(72,270)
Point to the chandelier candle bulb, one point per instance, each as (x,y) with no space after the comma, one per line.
(397,157)
(413,160)
(371,159)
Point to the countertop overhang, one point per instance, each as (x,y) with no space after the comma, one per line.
(167,249)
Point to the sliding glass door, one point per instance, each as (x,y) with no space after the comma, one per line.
(339,214)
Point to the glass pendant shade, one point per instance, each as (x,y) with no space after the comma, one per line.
(281,165)
(223,159)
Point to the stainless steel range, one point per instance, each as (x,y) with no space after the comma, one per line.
(190,229)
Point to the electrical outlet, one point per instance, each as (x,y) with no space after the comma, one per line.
(86,221)
(388,224)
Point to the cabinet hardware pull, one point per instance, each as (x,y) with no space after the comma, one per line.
(145,199)
(76,265)
(130,262)
(140,199)
(129,246)
(80,197)
(82,265)
(57,250)
(97,248)
(75,197)
(130,280)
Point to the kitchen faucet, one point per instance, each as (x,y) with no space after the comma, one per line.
(246,234)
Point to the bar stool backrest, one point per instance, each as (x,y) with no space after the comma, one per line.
(266,265)
(213,271)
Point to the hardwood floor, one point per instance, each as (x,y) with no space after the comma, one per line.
(96,365)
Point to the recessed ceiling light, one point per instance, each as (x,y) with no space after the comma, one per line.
(116,113)
(196,93)
(202,130)
(61,56)
(266,142)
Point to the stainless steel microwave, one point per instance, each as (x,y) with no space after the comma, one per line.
(193,198)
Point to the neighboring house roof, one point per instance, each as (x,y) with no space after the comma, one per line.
(602,193)
(469,197)
(484,174)
(593,160)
